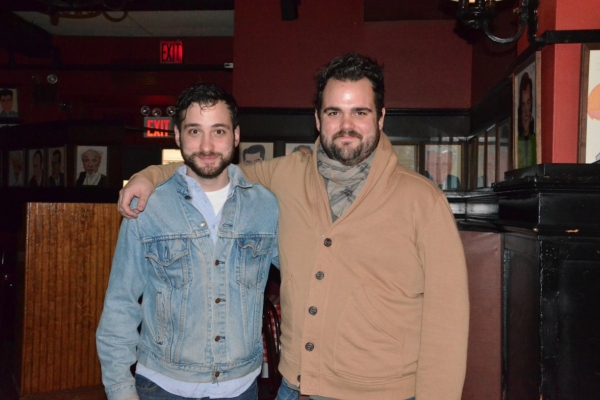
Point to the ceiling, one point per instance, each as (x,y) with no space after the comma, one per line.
(181,18)
(139,18)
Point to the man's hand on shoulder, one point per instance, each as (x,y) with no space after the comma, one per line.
(139,187)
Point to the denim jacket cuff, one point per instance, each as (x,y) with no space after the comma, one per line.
(122,391)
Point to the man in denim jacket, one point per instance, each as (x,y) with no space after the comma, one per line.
(199,258)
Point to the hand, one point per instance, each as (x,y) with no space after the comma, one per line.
(139,187)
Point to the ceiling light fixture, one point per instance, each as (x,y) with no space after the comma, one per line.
(478,13)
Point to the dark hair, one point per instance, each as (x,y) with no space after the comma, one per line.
(55,152)
(255,148)
(6,92)
(525,83)
(38,153)
(352,67)
(204,94)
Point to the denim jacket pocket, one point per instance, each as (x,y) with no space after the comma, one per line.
(171,260)
(253,252)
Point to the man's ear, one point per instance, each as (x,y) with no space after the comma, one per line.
(380,122)
(236,136)
(177,136)
(317,120)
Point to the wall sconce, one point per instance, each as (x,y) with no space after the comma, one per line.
(478,13)
(156,112)
(145,110)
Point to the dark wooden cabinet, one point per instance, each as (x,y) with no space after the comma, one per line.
(550,281)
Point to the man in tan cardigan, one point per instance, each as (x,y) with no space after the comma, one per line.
(374,291)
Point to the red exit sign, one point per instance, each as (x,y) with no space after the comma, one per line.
(171,52)
(157,127)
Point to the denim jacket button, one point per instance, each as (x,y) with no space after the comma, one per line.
(217,338)
(188,197)
(202,224)
(218,300)
(217,262)
(217,374)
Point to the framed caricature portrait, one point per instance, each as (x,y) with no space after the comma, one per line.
(589,115)
(443,165)
(302,147)
(251,153)
(91,165)
(35,168)
(526,110)
(407,155)
(16,168)
(56,160)
(9,102)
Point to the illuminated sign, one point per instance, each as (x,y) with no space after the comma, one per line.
(171,52)
(157,127)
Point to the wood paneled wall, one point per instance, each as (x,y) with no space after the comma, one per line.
(483,252)
(66,264)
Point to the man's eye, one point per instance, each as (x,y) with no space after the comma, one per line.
(220,132)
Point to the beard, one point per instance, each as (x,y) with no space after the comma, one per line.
(344,153)
(209,171)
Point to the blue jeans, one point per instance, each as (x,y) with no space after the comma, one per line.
(287,393)
(148,390)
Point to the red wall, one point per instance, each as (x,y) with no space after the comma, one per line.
(111,94)
(426,64)
(561,74)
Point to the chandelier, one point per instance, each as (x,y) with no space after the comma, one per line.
(478,13)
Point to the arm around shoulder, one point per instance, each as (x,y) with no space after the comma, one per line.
(142,186)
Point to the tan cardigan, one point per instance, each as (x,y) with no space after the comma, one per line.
(374,305)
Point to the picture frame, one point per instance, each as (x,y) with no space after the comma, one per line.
(252,152)
(306,148)
(16,168)
(91,164)
(9,102)
(443,163)
(589,114)
(56,167)
(527,127)
(35,167)
(408,155)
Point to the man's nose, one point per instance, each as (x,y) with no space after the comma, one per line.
(347,122)
(206,143)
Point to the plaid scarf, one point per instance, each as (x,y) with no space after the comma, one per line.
(343,183)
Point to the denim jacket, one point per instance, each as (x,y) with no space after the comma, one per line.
(201,302)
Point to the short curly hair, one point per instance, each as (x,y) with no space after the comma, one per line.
(352,67)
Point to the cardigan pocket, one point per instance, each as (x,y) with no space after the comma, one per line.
(367,345)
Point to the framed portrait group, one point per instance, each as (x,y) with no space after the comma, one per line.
(51,167)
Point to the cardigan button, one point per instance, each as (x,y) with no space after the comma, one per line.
(327,242)
(320,275)
(312,310)
(309,346)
